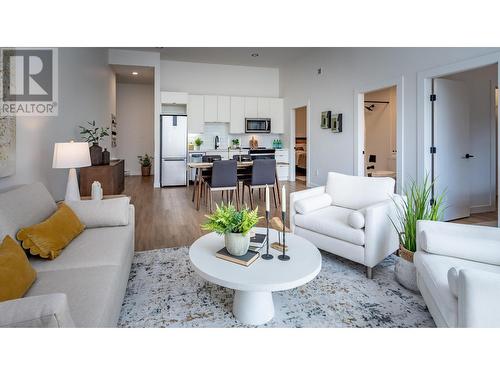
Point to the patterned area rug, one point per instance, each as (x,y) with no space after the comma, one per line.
(164,291)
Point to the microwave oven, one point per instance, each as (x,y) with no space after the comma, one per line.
(257,125)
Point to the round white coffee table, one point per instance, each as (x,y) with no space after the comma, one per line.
(253,285)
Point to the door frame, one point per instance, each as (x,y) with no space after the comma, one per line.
(359,127)
(424,107)
(291,156)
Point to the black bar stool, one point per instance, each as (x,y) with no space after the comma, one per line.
(224,179)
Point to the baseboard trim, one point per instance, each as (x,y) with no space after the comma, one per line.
(482,209)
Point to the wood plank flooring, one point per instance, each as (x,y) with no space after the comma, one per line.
(166,217)
(479,219)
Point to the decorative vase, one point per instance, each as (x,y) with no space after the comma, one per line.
(106,157)
(95,154)
(405,271)
(236,243)
(197,148)
(146,171)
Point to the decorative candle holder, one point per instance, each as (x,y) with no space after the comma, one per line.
(267,256)
(283,256)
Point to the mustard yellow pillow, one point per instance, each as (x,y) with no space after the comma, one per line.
(16,273)
(48,238)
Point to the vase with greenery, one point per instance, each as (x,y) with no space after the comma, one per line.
(415,205)
(93,134)
(197,143)
(235,142)
(145,162)
(234,225)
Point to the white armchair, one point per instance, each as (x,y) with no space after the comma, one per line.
(458,273)
(348,217)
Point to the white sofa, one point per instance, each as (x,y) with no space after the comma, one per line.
(85,285)
(348,217)
(458,273)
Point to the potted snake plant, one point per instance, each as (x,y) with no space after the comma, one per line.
(234,225)
(409,209)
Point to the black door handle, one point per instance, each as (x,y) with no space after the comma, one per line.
(468,156)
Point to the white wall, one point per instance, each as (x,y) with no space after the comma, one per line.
(481,85)
(85,94)
(135,117)
(346,70)
(199,78)
(380,128)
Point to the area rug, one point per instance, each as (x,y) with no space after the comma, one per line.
(164,291)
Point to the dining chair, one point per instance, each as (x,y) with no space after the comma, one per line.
(263,174)
(223,178)
(205,174)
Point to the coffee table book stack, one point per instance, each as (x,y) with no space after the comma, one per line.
(245,260)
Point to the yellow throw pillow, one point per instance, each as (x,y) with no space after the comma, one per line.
(48,238)
(16,273)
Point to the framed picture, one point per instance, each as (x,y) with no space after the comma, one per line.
(113,130)
(337,123)
(326,120)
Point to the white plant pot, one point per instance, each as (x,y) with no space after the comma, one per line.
(236,243)
(406,274)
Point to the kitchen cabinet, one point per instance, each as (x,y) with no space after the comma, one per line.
(223,108)
(282,164)
(251,107)
(264,107)
(210,108)
(237,117)
(195,114)
(170,97)
(276,115)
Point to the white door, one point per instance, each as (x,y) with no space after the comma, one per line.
(451,138)
(237,125)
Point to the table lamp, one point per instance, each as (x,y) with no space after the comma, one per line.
(71,155)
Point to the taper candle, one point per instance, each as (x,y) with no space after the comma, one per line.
(283,199)
(267,199)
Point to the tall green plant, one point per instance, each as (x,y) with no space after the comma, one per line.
(416,206)
(227,219)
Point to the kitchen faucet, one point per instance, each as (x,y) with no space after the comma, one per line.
(216,143)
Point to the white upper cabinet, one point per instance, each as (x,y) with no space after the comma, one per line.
(251,107)
(210,108)
(195,114)
(264,107)
(237,123)
(276,115)
(170,97)
(223,108)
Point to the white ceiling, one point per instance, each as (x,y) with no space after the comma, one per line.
(124,74)
(271,57)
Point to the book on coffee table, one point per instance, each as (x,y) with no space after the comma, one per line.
(244,260)
(257,241)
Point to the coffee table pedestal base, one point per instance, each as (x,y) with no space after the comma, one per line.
(253,308)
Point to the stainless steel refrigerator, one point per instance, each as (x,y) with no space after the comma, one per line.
(173,150)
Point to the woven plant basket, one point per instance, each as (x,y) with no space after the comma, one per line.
(405,254)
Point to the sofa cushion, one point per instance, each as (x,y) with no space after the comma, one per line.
(49,238)
(356,192)
(102,213)
(310,204)
(453,281)
(433,270)
(16,272)
(356,220)
(331,221)
(23,207)
(91,292)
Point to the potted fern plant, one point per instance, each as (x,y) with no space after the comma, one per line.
(413,207)
(234,225)
(197,143)
(145,162)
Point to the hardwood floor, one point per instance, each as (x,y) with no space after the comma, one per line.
(487,218)
(166,217)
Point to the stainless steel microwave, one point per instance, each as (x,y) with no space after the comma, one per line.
(257,125)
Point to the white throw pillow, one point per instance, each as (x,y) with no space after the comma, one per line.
(356,220)
(453,281)
(102,213)
(314,203)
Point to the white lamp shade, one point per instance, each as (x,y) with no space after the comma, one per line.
(71,155)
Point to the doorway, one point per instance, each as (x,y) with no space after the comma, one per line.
(380,129)
(301,144)
(464,150)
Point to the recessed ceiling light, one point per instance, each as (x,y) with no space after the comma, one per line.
(135,73)
(255,54)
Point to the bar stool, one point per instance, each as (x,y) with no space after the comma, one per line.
(224,179)
(263,174)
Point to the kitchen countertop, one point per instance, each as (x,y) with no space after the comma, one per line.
(243,151)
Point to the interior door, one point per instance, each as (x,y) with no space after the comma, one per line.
(451,139)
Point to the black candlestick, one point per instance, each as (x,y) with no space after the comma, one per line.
(283,256)
(267,256)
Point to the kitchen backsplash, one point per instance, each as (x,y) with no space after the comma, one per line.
(222,130)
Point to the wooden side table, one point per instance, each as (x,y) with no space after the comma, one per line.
(111,177)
